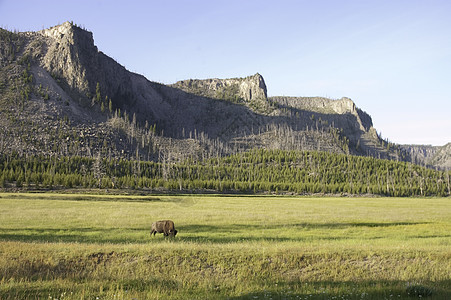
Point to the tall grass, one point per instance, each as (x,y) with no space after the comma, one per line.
(88,246)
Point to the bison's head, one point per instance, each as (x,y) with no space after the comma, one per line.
(173,233)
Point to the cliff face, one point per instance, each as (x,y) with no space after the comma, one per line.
(427,155)
(70,49)
(72,56)
(329,107)
(251,89)
(442,158)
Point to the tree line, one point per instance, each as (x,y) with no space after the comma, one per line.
(255,171)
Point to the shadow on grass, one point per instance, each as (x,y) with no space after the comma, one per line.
(353,290)
(245,230)
(76,235)
(94,290)
(81,197)
(203,233)
(241,227)
(109,236)
(370,290)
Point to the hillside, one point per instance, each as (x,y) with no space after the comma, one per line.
(432,156)
(61,96)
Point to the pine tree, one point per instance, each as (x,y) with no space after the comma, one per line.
(98,96)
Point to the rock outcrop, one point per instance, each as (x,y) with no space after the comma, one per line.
(442,158)
(428,155)
(70,50)
(72,57)
(328,106)
(252,88)
(247,90)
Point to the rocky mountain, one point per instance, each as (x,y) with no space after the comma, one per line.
(60,95)
(431,156)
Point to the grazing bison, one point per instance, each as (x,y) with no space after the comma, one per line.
(166,227)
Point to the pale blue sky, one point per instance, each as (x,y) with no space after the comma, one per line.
(392,57)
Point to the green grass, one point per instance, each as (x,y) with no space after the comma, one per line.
(235,247)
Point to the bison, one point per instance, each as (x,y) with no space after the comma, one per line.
(166,227)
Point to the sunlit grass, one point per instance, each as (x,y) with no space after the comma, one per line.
(237,247)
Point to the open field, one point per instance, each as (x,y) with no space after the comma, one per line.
(228,247)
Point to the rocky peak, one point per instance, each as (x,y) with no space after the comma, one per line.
(343,106)
(248,89)
(59,31)
(346,106)
(70,51)
(253,88)
(68,31)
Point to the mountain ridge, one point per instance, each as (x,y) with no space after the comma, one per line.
(59,77)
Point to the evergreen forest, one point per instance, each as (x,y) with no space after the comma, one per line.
(256,172)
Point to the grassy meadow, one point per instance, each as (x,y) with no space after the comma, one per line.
(84,246)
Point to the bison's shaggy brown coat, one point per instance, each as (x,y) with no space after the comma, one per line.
(165,226)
